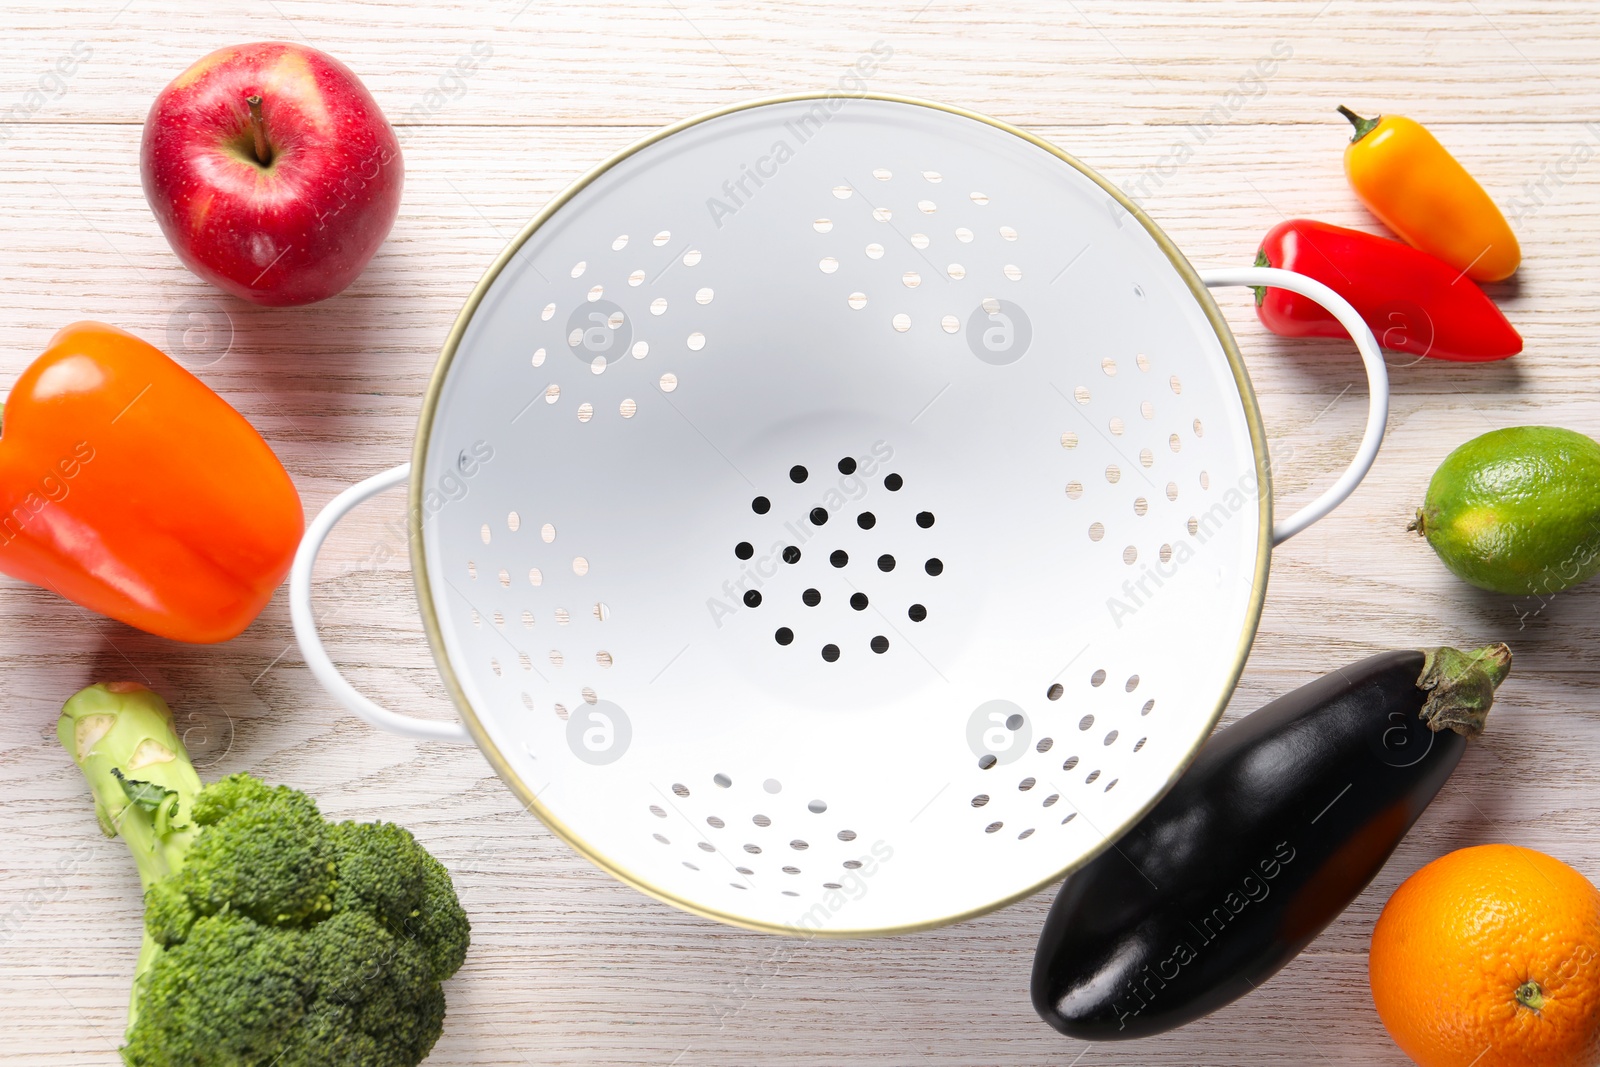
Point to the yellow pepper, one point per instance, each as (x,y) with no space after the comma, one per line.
(1407,178)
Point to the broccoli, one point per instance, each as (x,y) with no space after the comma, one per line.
(271,936)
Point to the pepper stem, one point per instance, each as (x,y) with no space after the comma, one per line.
(1261,290)
(1530,995)
(258,127)
(1363,126)
(1460,686)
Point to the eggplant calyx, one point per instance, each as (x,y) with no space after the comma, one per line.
(1460,686)
(1530,995)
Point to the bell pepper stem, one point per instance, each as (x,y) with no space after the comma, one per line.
(1363,126)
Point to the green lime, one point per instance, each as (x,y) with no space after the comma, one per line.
(1517,511)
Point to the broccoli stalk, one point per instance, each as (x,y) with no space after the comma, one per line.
(271,936)
(121,736)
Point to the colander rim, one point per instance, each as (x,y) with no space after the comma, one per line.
(430,620)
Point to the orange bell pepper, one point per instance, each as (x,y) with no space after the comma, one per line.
(1408,179)
(129,487)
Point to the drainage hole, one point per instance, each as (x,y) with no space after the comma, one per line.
(752,598)
(744,550)
(839,557)
(811,597)
(917,612)
(858,601)
(784,635)
(830,652)
(880,644)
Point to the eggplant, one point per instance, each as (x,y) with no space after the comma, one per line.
(1282,819)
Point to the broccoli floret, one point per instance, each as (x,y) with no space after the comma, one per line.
(225,995)
(441,929)
(272,937)
(380,870)
(264,851)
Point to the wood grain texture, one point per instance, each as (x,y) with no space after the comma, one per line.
(569,967)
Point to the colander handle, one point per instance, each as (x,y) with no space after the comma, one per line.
(1377,383)
(305,624)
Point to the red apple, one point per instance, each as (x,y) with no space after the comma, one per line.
(272,172)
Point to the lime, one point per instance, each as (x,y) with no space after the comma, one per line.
(1517,510)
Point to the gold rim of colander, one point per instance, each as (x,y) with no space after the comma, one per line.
(430,621)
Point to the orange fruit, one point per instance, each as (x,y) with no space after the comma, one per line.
(1490,957)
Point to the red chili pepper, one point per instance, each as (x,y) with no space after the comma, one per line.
(1413,302)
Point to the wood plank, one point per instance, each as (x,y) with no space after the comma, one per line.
(1150,61)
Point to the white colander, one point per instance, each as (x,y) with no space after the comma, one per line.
(840,514)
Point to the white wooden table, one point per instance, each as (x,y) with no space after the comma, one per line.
(567,966)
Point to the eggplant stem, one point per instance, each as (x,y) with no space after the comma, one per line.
(1460,686)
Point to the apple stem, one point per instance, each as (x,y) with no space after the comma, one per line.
(259,128)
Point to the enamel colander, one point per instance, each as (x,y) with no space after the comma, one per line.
(839,514)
